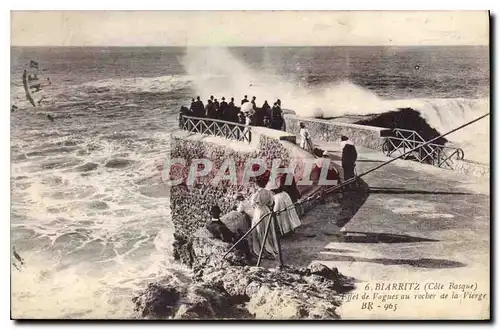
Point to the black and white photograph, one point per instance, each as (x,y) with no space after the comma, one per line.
(250,165)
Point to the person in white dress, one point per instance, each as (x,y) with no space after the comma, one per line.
(262,201)
(288,220)
(305,138)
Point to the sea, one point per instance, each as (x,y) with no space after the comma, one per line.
(89,212)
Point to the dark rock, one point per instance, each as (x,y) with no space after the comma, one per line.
(118,163)
(182,249)
(171,299)
(204,301)
(158,300)
(86,167)
(202,250)
(405,118)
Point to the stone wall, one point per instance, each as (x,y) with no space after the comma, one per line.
(190,204)
(327,130)
(472,168)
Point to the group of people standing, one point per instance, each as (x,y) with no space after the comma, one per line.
(278,195)
(265,116)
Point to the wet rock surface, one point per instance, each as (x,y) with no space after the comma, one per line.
(231,288)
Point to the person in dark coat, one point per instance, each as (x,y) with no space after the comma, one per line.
(276,117)
(200,108)
(210,110)
(224,110)
(245,100)
(349,157)
(217,228)
(267,109)
(233,111)
(218,114)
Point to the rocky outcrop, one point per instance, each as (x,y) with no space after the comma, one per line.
(247,292)
(171,300)
(405,118)
(201,250)
(230,288)
(283,293)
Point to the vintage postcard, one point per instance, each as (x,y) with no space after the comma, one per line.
(284,165)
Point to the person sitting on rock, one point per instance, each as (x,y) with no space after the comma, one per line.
(217,228)
(243,208)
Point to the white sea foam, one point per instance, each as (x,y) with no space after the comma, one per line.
(215,71)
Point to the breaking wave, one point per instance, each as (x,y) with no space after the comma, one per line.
(216,71)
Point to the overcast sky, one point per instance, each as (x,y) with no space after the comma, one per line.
(249,28)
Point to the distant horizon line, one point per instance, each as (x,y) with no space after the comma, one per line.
(237,46)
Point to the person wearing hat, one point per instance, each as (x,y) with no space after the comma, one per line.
(349,157)
(233,111)
(276,117)
(266,108)
(245,100)
(217,228)
(286,214)
(224,110)
(198,108)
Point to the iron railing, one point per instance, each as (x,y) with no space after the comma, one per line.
(432,153)
(216,127)
(339,186)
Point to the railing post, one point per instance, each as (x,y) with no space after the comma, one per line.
(264,240)
(277,239)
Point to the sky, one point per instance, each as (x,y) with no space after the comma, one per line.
(248,28)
